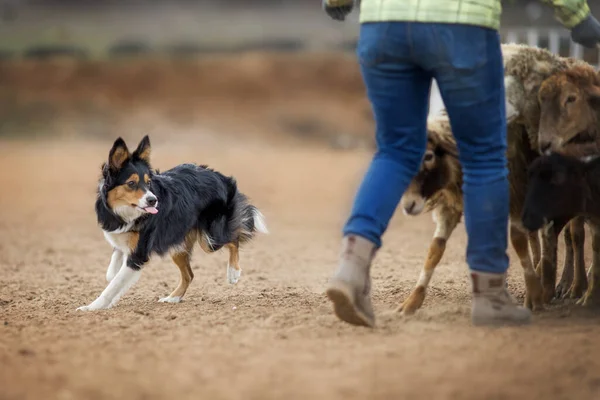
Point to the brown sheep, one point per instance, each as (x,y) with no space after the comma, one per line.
(526,69)
(574,189)
(438,187)
(569,110)
(569,104)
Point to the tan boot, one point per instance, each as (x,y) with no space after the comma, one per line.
(350,287)
(492,304)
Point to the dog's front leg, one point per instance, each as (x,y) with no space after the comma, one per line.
(127,276)
(116,261)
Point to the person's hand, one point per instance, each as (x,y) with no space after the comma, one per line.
(338,9)
(587,32)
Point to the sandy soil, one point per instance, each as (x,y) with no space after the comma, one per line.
(271,336)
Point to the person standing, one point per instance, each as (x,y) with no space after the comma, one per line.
(402,46)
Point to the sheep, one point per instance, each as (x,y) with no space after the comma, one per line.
(569,111)
(573,186)
(526,70)
(569,119)
(437,186)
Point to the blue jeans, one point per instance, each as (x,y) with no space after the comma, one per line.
(398,61)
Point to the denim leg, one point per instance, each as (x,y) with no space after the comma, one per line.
(399,94)
(470,76)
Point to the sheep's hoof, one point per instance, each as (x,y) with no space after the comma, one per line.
(533,303)
(414,301)
(534,293)
(575,291)
(591,297)
(548,294)
(562,290)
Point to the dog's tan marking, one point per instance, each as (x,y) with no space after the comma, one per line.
(119,157)
(182,260)
(134,177)
(132,240)
(145,154)
(234,255)
(146,178)
(203,241)
(233,266)
(123,195)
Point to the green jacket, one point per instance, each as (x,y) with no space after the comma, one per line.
(484,13)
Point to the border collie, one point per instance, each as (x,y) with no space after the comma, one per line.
(144,212)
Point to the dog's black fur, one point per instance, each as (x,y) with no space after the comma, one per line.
(190,197)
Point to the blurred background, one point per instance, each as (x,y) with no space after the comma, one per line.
(277,68)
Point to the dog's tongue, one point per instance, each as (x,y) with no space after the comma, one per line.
(151,210)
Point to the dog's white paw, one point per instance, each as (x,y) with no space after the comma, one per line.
(233,275)
(169,299)
(98,304)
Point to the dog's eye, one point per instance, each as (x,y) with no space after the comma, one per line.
(428,157)
(131,184)
(570,99)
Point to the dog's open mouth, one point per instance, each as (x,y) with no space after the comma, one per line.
(149,210)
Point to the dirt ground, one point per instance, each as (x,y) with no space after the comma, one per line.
(273,335)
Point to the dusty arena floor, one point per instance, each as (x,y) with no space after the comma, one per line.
(272,336)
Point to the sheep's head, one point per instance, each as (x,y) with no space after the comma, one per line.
(556,190)
(568,103)
(439,169)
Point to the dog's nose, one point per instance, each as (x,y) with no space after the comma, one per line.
(151,201)
(545,147)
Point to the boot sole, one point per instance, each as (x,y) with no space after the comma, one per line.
(345,308)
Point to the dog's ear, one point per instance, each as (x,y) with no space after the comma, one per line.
(143,150)
(118,155)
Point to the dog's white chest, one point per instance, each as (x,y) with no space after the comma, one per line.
(119,240)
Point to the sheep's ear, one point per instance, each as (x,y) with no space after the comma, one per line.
(118,155)
(143,150)
(594,92)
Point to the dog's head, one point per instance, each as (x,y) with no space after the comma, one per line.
(125,182)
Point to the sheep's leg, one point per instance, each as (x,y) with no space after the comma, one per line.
(547,267)
(534,245)
(520,241)
(566,279)
(592,295)
(446,220)
(580,283)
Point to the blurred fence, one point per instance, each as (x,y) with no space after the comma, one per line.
(203,29)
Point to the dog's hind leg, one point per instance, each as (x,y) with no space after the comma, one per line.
(116,260)
(233,266)
(182,260)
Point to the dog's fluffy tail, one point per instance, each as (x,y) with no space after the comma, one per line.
(252,221)
(258,220)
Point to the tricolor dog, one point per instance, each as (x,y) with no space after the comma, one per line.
(143,212)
